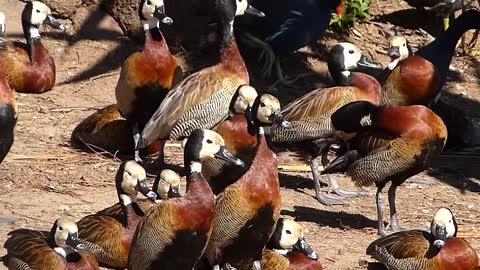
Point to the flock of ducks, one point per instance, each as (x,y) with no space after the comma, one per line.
(380,128)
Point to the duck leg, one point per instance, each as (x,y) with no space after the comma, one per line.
(393,225)
(379,202)
(136,139)
(257,265)
(321,197)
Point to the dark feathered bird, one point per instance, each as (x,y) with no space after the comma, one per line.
(386,144)
(8,114)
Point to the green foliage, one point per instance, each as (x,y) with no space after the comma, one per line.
(353,11)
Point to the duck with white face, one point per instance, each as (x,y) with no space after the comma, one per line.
(443,226)
(167,184)
(152,12)
(34,15)
(398,50)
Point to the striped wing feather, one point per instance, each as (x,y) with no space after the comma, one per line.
(402,245)
(192,91)
(383,162)
(271,260)
(31,248)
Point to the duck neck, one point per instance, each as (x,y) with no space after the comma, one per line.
(367,84)
(130,207)
(230,56)
(440,51)
(153,33)
(341,77)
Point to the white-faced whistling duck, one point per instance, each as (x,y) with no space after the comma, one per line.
(443,8)
(202,99)
(240,140)
(419,78)
(247,210)
(310,114)
(31,68)
(386,144)
(438,249)
(147,76)
(108,236)
(8,108)
(166,185)
(107,130)
(174,234)
(58,249)
(287,249)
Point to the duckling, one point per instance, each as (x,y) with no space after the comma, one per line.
(57,250)
(107,130)
(419,78)
(386,144)
(287,249)
(247,210)
(202,99)
(438,249)
(30,68)
(241,140)
(8,114)
(147,76)
(108,236)
(166,185)
(173,234)
(309,115)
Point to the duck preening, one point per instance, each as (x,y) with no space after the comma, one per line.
(386,144)
(147,76)
(174,234)
(108,234)
(58,249)
(287,249)
(247,210)
(202,99)
(311,133)
(438,249)
(30,68)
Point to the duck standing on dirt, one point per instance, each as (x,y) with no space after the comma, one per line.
(311,133)
(8,105)
(30,68)
(202,99)
(147,76)
(386,144)
(438,249)
(58,249)
(288,26)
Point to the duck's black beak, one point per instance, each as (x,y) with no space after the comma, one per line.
(440,235)
(174,192)
(394,52)
(225,155)
(50,20)
(253,11)
(305,248)
(142,187)
(278,119)
(74,242)
(365,62)
(162,16)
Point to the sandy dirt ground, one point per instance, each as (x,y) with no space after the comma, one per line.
(44,178)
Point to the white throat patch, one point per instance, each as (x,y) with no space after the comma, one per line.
(366,121)
(196,167)
(151,24)
(34,33)
(127,200)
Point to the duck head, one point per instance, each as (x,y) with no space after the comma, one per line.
(353,118)
(2,26)
(398,50)
(346,57)
(266,111)
(63,237)
(289,236)
(243,99)
(232,8)
(443,226)
(203,144)
(167,184)
(35,14)
(131,179)
(152,12)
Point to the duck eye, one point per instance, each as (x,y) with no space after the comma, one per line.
(38,10)
(404,44)
(209,141)
(60,228)
(288,232)
(351,52)
(262,104)
(149,3)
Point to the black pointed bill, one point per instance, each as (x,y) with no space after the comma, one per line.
(278,119)
(74,242)
(225,155)
(174,192)
(253,11)
(303,247)
(364,62)
(162,16)
(50,20)
(142,187)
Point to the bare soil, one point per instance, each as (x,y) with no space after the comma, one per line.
(44,178)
